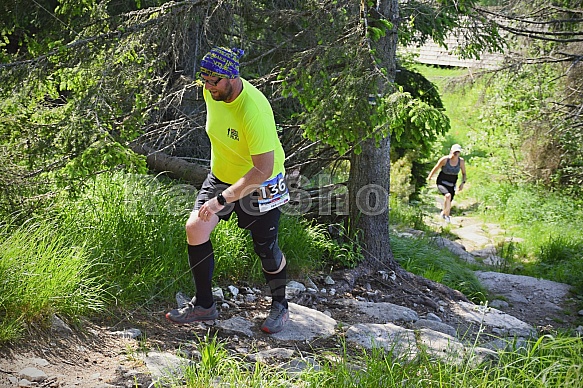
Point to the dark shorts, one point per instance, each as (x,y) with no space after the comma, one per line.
(444,189)
(247,209)
(446,184)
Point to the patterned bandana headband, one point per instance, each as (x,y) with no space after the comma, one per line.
(221,62)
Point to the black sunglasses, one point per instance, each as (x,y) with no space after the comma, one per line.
(211,82)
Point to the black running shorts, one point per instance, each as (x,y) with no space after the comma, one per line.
(247,209)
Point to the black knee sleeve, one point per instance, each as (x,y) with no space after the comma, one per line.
(272,258)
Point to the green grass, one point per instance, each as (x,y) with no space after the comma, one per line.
(542,363)
(121,243)
(421,257)
(44,272)
(461,99)
(547,224)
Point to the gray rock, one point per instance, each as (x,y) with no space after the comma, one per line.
(310,283)
(60,327)
(514,287)
(293,289)
(269,355)
(387,336)
(499,304)
(484,252)
(234,291)
(218,293)
(39,361)
(433,317)
(455,248)
(128,333)
(383,311)
(299,365)
(436,326)
(237,325)
(506,344)
(165,366)
(441,345)
(32,374)
(501,323)
(305,324)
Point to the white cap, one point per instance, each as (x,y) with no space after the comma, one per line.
(455,148)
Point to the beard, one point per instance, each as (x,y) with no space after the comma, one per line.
(224,94)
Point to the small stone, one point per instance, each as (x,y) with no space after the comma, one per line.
(310,283)
(499,304)
(32,374)
(39,361)
(181,299)
(128,333)
(24,383)
(60,327)
(218,293)
(234,291)
(433,317)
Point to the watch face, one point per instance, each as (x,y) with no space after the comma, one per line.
(221,199)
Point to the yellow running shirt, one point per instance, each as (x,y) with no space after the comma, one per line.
(240,129)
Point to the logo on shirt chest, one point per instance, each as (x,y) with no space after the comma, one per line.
(233,134)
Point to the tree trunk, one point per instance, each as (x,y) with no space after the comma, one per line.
(174,167)
(368,189)
(369,181)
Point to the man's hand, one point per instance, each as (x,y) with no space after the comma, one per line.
(210,209)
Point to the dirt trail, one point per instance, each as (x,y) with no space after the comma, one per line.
(472,233)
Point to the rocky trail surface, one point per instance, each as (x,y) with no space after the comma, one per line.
(141,348)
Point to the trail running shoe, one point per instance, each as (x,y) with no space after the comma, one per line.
(191,313)
(277,318)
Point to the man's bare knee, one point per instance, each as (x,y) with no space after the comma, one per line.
(197,230)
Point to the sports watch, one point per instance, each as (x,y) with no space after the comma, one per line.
(221,199)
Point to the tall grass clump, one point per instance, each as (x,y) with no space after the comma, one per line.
(133,226)
(217,367)
(44,272)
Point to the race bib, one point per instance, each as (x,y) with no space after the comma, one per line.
(273,193)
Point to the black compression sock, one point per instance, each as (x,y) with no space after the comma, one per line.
(277,283)
(202,262)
